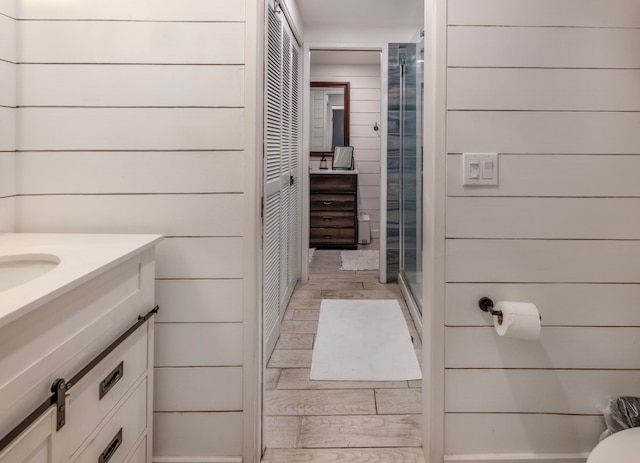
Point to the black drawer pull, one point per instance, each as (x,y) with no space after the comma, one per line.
(111,380)
(328,236)
(111,448)
(327,203)
(327,219)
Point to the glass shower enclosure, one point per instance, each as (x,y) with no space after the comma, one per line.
(405,163)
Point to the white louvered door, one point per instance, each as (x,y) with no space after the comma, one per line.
(281,192)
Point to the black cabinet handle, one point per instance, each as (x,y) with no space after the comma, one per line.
(115,443)
(111,380)
(327,236)
(327,219)
(327,203)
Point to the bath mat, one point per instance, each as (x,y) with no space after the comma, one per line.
(311,251)
(360,260)
(363,340)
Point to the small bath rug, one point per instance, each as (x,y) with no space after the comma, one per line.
(360,260)
(363,340)
(311,251)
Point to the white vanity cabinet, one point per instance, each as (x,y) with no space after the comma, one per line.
(107,403)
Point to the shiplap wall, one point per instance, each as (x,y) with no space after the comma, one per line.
(8,51)
(365,112)
(131,119)
(556,94)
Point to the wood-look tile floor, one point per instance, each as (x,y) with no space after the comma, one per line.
(336,421)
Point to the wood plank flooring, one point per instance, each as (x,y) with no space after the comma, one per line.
(336,421)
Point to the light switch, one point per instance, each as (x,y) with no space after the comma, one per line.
(487,170)
(480,169)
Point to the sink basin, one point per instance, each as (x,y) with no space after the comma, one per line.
(21,268)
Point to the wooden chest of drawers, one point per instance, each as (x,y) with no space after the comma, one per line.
(333,210)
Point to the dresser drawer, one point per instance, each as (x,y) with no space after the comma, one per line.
(329,219)
(332,235)
(333,202)
(103,387)
(140,453)
(333,182)
(117,438)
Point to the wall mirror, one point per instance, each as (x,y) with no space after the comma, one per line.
(329,116)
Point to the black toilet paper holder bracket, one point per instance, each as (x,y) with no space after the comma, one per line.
(486,305)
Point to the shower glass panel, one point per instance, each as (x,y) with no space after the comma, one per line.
(411,113)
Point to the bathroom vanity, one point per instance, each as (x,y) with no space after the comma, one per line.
(76,348)
(333,209)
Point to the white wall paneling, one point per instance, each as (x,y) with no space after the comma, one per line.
(129,128)
(553,87)
(365,94)
(7,208)
(192,301)
(140,118)
(9,8)
(200,258)
(577,13)
(544,132)
(8,88)
(560,47)
(564,175)
(130,172)
(528,436)
(559,304)
(572,392)
(558,261)
(198,344)
(7,129)
(545,89)
(174,215)
(194,389)
(133,85)
(554,218)
(211,434)
(8,39)
(130,42)
(149,10)
(558,347)
(7,169)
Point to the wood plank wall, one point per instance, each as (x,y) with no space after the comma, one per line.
(131,119)
(365,111)
(8,50)
(554,87)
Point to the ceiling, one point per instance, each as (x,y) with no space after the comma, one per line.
(359,13)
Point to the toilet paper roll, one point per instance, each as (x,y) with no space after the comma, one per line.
(519,320)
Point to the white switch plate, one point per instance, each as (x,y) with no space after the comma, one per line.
(482,172)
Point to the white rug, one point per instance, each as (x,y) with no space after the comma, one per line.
(360,260)
(311,251)
(363,340)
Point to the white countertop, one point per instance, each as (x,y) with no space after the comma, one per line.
(81,257)
(329,171)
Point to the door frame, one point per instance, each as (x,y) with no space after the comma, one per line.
(304,176)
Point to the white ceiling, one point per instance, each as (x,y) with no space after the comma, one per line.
(344,57)
(358,13)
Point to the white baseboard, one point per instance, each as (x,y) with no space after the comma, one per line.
(519,458)
(197,459)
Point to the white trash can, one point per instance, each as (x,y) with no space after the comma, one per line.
(364,228)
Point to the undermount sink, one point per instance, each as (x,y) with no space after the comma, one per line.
(21,268)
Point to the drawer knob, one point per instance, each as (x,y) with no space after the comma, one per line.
(106,455)
(327,236)
(327,203)
(111,380)
(327,219)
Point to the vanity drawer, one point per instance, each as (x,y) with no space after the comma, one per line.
(331,219)
(117,438)
(140,453)
(333,182)
(103,387)
(332,235)
(333,202)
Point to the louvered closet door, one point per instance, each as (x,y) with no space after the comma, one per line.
(281,191)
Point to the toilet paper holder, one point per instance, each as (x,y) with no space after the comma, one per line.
(486,305)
